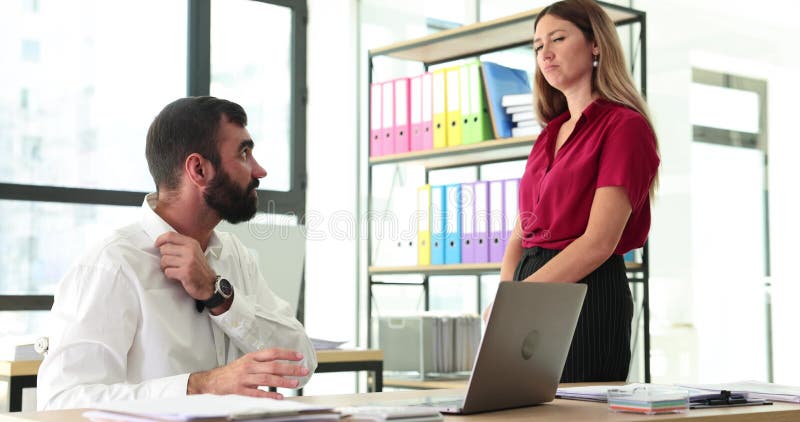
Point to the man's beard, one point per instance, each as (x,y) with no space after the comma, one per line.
(233,204)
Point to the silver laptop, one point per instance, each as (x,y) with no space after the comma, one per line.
(523,350)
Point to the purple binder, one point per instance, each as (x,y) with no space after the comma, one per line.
(497,221)
(481,232)
(511,208)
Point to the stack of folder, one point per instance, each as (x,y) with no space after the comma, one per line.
(429,344)
(466,223)
(439,109)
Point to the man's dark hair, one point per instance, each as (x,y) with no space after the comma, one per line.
(185,126)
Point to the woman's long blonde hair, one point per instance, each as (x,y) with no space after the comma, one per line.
(610,79)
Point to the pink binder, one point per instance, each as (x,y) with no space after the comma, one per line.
(402,123)
(415,108)
(375,119)
(496,221)
(427,110)
(387,121)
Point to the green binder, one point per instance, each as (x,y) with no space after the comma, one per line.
(479,125)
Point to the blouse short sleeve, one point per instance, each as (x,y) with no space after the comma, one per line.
(629,158)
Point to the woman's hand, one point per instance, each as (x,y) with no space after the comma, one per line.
(487,312)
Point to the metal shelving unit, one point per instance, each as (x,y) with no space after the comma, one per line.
(471,41)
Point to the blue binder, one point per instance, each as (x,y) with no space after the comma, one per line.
(498,81)
(452,240)
(438,222)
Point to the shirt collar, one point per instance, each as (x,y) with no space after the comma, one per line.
(592,110)
(595,108)
(155,226)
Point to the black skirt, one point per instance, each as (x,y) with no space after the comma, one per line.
(601,349)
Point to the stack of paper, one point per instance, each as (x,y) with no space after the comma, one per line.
(755,389)
(209,406)
(390,413)
(650,400)
(709,395)
(18,348)
(598,393)
(322,344)
(523,118)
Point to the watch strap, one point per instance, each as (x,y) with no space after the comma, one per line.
(215,300)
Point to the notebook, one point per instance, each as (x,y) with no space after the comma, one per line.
(523,350)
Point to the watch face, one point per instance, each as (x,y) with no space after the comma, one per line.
(225,288)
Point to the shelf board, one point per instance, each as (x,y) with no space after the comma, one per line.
(634,266)
(448,269)
(486,151)
(482,37)
(458,269)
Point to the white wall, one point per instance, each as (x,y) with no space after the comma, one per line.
(740,38)
(332,136)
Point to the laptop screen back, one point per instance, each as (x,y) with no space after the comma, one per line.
(525,346)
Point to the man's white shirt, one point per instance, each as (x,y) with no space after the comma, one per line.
(122,330)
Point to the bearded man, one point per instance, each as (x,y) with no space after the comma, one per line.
(168,306)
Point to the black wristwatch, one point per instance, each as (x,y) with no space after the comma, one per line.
(222,292)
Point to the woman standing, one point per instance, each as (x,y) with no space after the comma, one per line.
(585,194)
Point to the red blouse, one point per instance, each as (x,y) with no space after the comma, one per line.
(611,145)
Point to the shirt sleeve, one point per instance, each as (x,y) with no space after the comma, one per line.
(629,159)
(94,321)
(259,319)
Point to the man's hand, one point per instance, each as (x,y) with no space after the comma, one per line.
(184,261)
(244,375)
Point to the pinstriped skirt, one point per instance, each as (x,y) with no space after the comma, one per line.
(600,349)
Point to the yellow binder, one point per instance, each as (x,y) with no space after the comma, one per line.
(439,109)
(424,225)
(453,106)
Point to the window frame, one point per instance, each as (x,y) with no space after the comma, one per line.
(198,78)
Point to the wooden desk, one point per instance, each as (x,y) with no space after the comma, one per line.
(22,374)
(353,360)
(19,375)
(558,410)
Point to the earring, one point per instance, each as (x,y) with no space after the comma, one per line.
(595,60)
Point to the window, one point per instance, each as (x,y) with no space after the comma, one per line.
(90,117)
(251,61)
(729,217)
